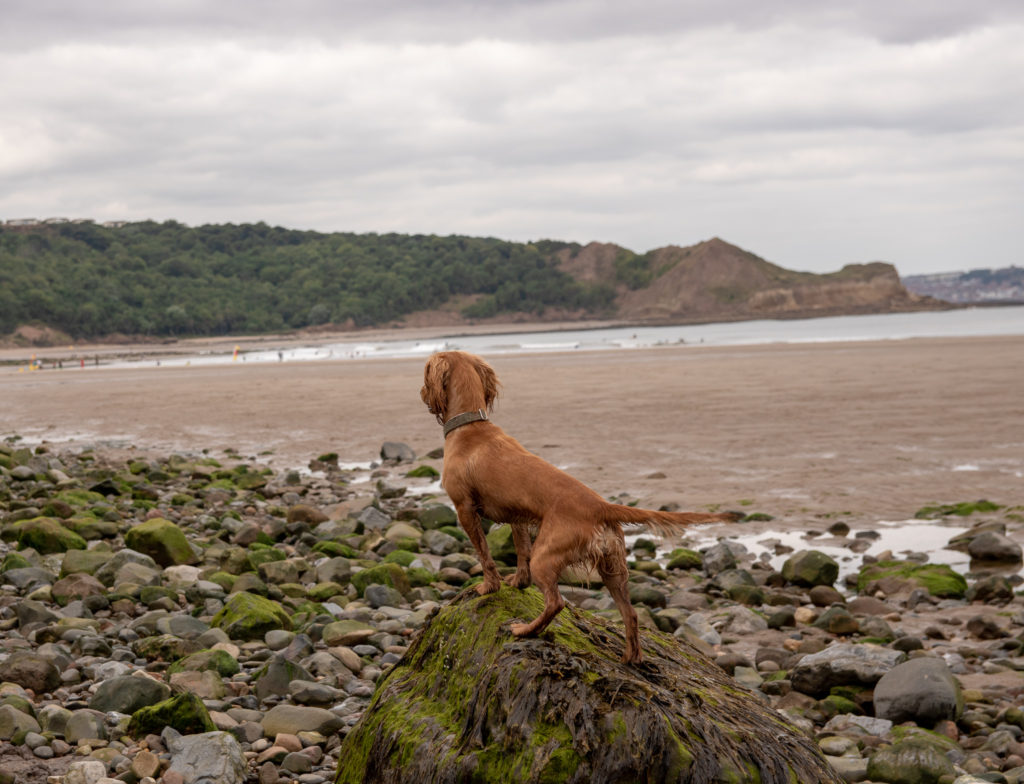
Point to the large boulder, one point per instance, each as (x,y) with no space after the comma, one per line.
(162,541)
(843,664)
(920,690)
(563,707)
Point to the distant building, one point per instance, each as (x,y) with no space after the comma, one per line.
(977,286)
(22,222)
(54,221)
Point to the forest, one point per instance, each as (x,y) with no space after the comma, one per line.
(170,280)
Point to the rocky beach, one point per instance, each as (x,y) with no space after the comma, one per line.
(197,581)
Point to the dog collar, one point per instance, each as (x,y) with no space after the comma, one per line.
(464,419)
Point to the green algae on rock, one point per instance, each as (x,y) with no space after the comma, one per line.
(469,702)
(45,535)
(223,662)
(162,541)
(389,574)
(184,712)
(938,579)
(246,616)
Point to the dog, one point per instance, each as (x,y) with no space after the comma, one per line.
(488,473)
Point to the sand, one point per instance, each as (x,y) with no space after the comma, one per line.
(862,431)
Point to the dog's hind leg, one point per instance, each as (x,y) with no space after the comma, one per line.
(554,548)
(469,519)
(612,568)
(521,539)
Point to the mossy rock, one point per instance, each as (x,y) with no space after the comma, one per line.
(682,558)
(57,508)
(400,557)
(164,647)
(938,579)
(162,541)
(454,530)
(964,509)
(14,561)
(437,515)
(246,616)
(333,549)
(44,535)
(390,574)
(420,577)
(499,542)
(223,662)
(80,498)
(423,472)
(911,761)
(184,712)
(91,528)
(152,593)
(83,561)
(322,592)
(263,555)
(810,568)
(223,579)
(250,481)
(563,708)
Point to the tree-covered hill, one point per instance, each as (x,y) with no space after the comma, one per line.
(168,279)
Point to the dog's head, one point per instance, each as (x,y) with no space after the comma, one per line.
(457,376)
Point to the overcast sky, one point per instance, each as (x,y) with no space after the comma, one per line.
(813,133)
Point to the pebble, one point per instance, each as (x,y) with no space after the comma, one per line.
(125,613)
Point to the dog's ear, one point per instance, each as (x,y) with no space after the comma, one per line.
(436,374)
(489,380)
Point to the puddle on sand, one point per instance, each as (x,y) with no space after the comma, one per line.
(902,537)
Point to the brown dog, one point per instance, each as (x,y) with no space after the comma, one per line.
(489,473)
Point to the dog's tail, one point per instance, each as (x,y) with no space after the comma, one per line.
(665,523)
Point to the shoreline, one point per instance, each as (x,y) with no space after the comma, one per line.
(225,344)
(803,432)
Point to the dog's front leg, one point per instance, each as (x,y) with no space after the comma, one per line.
(521,539)
(469,519)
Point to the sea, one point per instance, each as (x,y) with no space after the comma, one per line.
(968,322)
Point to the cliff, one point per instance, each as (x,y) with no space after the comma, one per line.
(717,280)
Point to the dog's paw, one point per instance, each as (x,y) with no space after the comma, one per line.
(516,581)
(520,629)
(485,588)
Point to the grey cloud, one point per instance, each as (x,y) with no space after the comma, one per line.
(885,129)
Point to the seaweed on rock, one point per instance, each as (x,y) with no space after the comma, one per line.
(470,703)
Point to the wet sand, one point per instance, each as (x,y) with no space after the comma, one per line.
(865,431)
